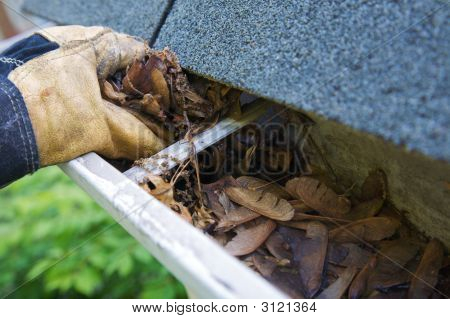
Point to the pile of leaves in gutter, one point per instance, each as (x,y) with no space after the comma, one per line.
(157,91)
(294,224)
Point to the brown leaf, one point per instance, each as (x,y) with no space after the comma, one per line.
(391,260)
(162,190)
(276,245)
(374,186)
(310,255)
(236,217)
(366,209)
(137,80)
(158,82)
(337,289)
(368,229)
(254,183)
(300,206)
(263,203)
(348,254)
(148,104)
(213,190)
(265,266)
(303,225)
(250,236)
(359,285)
(426,275)
(318,196)
(324,219)
(112,95)
(288,282)
(248,159)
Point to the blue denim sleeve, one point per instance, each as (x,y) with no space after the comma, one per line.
(18,148)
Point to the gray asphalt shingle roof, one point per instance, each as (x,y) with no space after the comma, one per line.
(139,18)
(378,66)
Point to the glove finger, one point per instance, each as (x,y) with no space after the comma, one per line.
(130,138)
(115,51)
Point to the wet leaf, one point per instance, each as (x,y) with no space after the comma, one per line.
(426,276)
(337,289)
(263,203)
(254,183)
(369,229)
(250,236)
(318,196)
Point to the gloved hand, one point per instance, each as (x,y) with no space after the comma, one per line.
(58,77)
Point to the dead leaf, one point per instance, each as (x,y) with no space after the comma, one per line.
(318,196)
(374,186)
(348,254)
(300,206)
(288,282)
(359,285)
(303,225)
(265,266)
(276,245)
(426,275)
(226,203)
(337,289)
(263,203)
(310,256)
(250,236)
(248,159)
(366,209)
(236,217)
(162,190)
(254,183)
(158,82)
(391,260)
(213,190)
(137,80)
(368,229)
(112,95)
(330,220)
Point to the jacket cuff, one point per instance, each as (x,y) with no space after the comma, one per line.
(18,148)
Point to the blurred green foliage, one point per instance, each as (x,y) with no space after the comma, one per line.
(56,242)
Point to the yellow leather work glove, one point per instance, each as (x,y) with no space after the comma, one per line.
(61,92)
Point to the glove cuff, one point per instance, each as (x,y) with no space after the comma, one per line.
(18,147)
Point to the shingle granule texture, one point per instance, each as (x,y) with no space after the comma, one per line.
(140,18)
(378,66)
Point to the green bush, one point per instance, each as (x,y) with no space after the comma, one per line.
(56,242)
